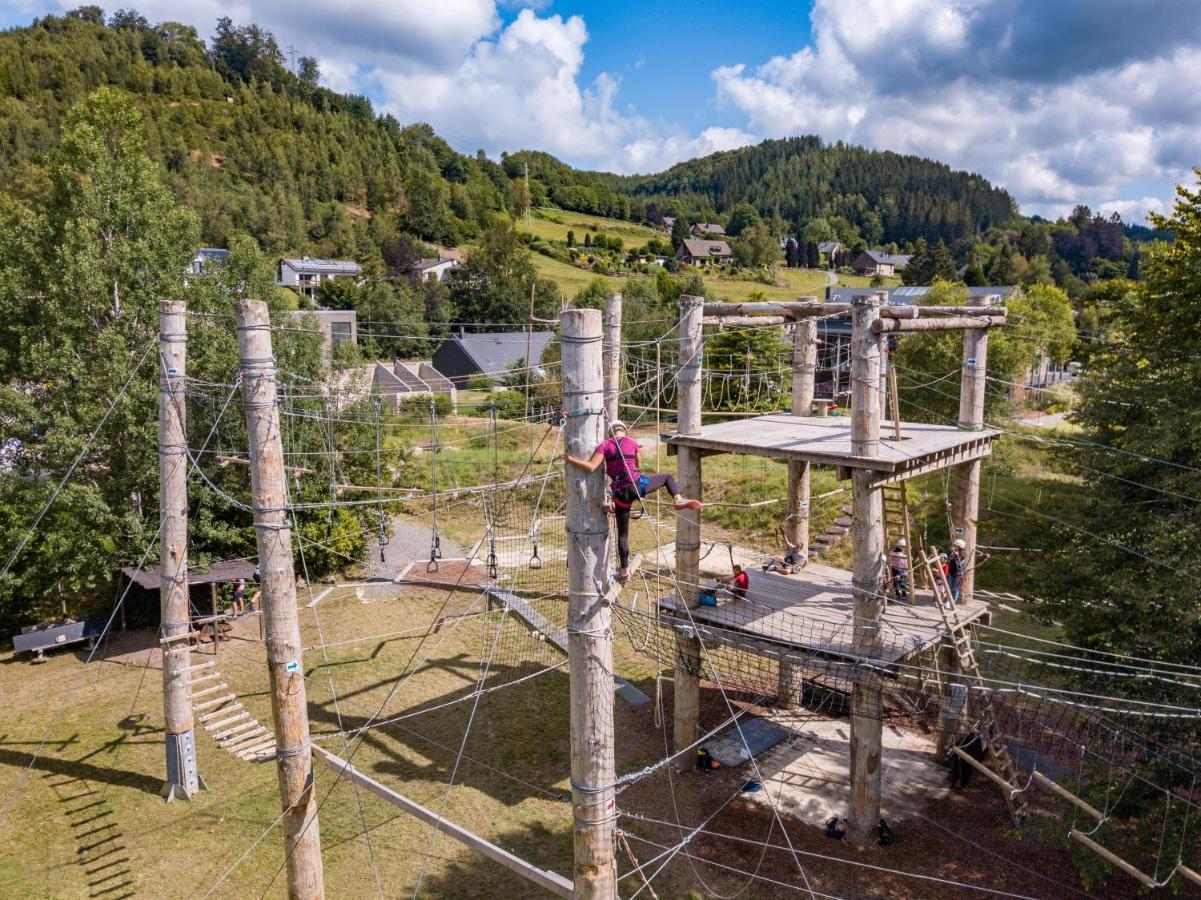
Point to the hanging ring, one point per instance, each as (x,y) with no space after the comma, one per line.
(535,560)
(432,566)
(492,568)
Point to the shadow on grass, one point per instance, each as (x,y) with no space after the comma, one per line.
(80,770)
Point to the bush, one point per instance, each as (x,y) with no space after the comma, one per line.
(510,404)
(480,382)
(418,407)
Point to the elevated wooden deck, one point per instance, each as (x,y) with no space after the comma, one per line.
(808,616)
(827,440)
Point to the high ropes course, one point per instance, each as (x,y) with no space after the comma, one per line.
(1099,747)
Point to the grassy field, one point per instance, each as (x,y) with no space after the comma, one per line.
(553,225)
(792,283)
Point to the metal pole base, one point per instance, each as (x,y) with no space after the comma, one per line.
(182,778)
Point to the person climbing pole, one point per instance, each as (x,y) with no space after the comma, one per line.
(619,454)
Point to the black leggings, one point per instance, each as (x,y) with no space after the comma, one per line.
(629,494)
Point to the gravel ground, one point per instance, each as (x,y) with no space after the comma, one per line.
(410,542)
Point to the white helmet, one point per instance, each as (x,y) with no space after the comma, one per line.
(616,424)
(960,544)
(901,542)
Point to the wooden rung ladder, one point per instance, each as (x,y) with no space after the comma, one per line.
(222,715)
(981,697)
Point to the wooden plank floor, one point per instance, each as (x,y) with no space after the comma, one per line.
(812,611)
(827,439)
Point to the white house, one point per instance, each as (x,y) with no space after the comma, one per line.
(305,274)
(434,269)
(206,257)
(698,253)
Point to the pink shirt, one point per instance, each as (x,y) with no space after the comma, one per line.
(620,471)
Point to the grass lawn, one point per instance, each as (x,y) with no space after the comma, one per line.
(793,283)
(553,224)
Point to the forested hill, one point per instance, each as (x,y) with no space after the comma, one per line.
(256,147)
(887,196)
(246,143)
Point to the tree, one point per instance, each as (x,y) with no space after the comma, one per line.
(308,70)
(751,366)
(679,231)
(495,283)
(743,217)
(1046,328)
(942,266)
(1126,581)
(570,238)
(920,269)
(757,247)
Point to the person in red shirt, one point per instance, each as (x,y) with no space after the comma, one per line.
(739,582)
(619,455)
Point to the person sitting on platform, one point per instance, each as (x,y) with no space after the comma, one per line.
(738,583)
(619,454)
(898,566)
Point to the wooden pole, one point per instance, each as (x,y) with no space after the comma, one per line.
(686,687)
(965,507)
(544,878)
(273,536)
(183,779)
(589,634)
(612,361)
(867,532)
(804,369)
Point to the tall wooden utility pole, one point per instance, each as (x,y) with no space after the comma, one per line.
(867,532)
(612,360)
(686,687)
(804,369)
(273,536)
(183,779)
(589,627)
(965,506)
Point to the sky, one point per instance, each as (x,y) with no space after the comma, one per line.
(1059,101)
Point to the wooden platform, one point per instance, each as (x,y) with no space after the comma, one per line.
(827,439)
(809,615)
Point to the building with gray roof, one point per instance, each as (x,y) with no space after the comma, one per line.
(493,354)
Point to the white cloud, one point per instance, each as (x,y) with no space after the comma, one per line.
(1133,210)
(926,77)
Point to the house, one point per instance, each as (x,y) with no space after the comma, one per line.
(205,257)
(405,380)
(697,252)
(434,269)
(303,275)
(337,326)
(669,224)
(829,249)
(877,262)
(493,354)
(699,228)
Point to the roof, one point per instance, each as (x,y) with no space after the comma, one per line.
(702,248)
(218,572)
(495,352)
(708,228)
(909,295)
(889,259)
(212,253)
(330,266)
(426,264)
(828,246)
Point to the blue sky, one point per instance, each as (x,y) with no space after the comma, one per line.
(1059,101)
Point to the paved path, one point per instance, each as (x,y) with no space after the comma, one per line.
(1042,420)
(410,542)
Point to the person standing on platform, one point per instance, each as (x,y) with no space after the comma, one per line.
(955,564)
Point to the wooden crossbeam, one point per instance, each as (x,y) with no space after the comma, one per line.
(551,881)
(944,323)
(1189,874)
(984,770)
(1141,877)
(1068,795)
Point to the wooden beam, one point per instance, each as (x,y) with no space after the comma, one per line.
(1139,876)
(223,461)
(920,312)
(757,321)
(809,306)
(551,881)
(1189,874)
(1067,795)
(949,323)
(984,770)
